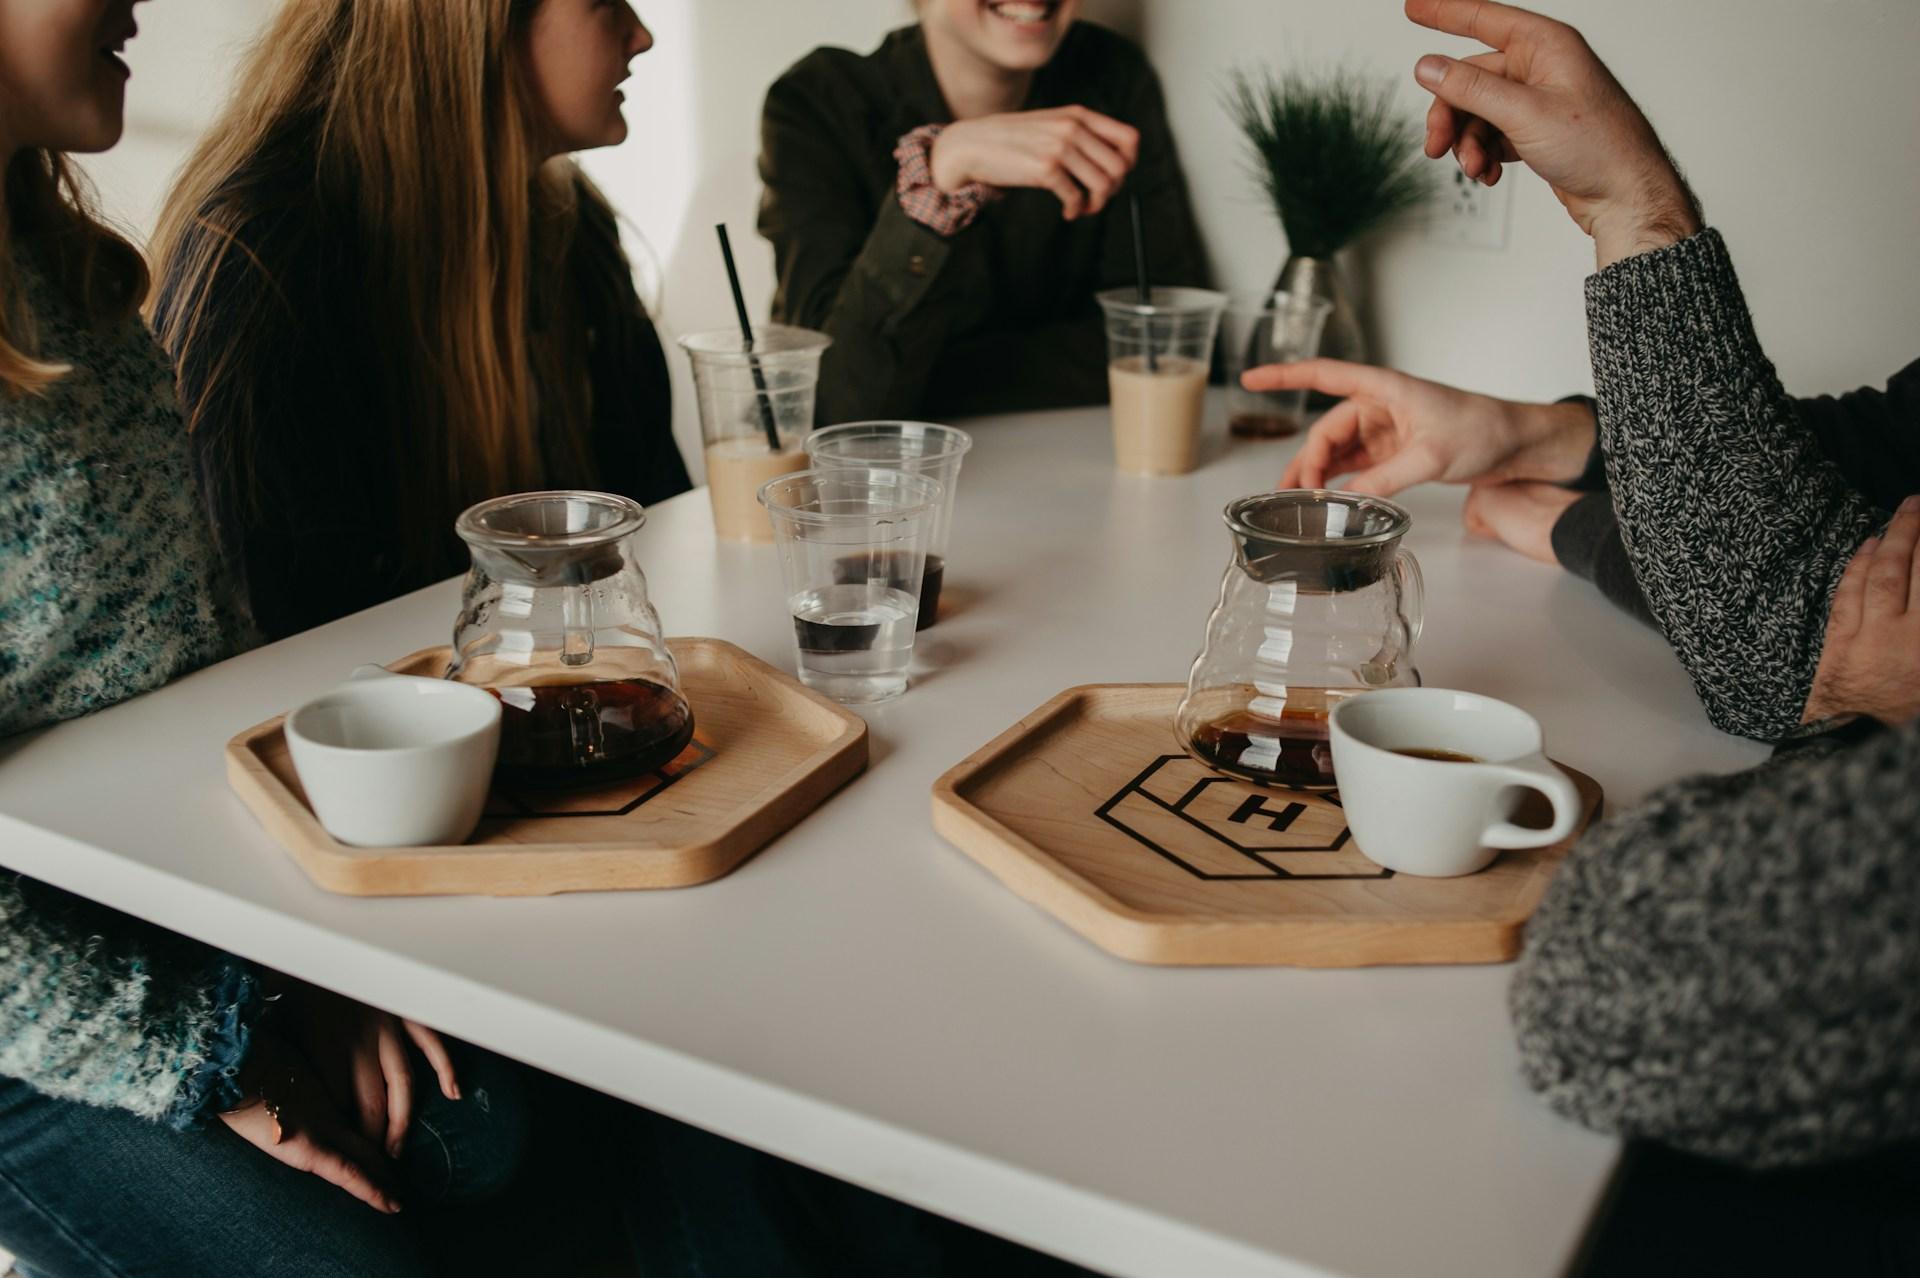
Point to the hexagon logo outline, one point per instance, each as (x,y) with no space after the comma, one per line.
(1134,801)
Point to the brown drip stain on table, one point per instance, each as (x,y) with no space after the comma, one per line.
(765,752)
(1089,809)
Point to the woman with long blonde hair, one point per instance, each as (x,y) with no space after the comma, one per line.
(389,294)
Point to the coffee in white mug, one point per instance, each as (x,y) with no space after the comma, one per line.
(1430,778)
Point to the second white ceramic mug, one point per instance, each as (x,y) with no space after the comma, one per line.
(1442,818)
(396,760)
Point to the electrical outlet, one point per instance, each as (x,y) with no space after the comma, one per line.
(1465,213)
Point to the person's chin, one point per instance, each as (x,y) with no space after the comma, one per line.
(612,135)
(1024,53)
(92,136)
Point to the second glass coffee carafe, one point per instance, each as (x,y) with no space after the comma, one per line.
(1318,603)
(556,622)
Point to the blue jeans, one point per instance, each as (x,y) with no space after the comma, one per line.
(97,1193)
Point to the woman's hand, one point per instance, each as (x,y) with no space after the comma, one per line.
(360,1055)
(289,1117)
(1393,431)
(1078,154)
(1542,97)
(1871,662)
(1520,515)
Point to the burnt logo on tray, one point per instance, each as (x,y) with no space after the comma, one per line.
(1215,827)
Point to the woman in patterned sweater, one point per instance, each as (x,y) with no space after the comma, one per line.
(151,1112)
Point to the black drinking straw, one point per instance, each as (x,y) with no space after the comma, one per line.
(1140,274)
(746,335)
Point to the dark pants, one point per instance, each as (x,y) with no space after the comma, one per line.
(1674,1214)
(709,1207)
(526,1174)
(88,1192)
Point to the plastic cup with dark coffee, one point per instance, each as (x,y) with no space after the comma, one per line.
(916,448)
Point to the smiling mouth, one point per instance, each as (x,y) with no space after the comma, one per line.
(1024,13)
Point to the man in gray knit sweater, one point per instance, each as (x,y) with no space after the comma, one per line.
(1733,967)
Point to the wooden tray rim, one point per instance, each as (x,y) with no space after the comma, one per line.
(256,784)
(1146,933)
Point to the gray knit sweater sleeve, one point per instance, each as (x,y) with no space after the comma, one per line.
(102,1008)
(1733,967)
(1737,524)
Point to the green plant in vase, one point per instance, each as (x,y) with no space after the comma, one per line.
(1337,158)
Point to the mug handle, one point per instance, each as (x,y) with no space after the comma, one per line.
(1536,772)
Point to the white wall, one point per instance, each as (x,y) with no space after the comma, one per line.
(1798,123)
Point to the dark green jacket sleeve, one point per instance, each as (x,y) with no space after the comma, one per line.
(867,283)
(895,296)
(1064,363)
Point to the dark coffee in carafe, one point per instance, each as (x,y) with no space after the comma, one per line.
(576,735)
(1292,751)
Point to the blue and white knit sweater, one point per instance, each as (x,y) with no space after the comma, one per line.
(109,586)
(99,1007)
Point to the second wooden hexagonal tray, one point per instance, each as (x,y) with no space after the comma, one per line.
(1089,809)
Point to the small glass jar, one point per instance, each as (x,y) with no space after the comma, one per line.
(1319,603)
(555,621)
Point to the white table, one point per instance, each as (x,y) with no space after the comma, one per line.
(863,999)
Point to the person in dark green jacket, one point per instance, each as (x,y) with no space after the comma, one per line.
(947,206)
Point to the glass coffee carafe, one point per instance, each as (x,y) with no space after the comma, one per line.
(555,621)
(1318,603)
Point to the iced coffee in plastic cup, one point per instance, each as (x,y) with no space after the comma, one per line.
(1159,352)
(756,407)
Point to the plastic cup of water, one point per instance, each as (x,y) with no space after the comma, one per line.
(852,544)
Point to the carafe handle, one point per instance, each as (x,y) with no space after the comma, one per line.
(1413,594)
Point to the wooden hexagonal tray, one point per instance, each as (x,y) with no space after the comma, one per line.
(765,752)
(1089,809)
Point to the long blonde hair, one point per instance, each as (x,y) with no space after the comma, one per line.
(44,200)
(417,125)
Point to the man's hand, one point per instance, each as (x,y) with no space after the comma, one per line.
(1542,97)
(1393,431)
(1520,515)
(1871,662)
(1078,154)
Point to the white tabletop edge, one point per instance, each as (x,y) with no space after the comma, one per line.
(1114,1237)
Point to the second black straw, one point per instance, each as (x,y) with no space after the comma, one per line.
(1142,279)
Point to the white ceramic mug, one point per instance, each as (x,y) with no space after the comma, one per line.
(1436,817)
(396,760)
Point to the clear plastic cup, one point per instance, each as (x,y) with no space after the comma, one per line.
(853,549)
(1270,328)
(918,448)
(1158,355)
(739,393)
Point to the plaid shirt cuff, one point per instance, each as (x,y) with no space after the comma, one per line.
(943,212)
